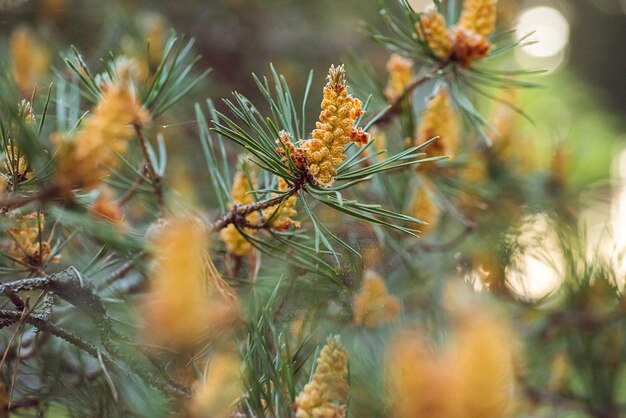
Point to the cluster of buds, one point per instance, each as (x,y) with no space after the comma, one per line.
(16,167)
(85,157)
(280,217)
(236,243)
(286,147)
(326,395)
(28,244)
(373,305)
(29,57)
(472,378)
(105,207)
(153,31)
(440,120)
(183,304)
(424,208)
(214,396)
(400,71)
(466,42)
(324,152)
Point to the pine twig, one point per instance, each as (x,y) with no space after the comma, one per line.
(396,105)
(152,172)
(237,215)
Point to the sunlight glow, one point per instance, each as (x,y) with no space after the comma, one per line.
(550,27)
(536,274)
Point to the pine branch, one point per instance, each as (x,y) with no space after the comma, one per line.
(45,326)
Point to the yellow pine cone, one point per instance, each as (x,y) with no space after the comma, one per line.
(436,33)
(424,208)
(469,46)
(327,393)
(440,119)
(373,305)
(324,152)
(479,16)
(29,58)
(236,243)
(184,303)
(400,71)
(215,395)
(282,215)
(85,157)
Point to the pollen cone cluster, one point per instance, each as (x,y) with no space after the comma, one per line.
(28,244)
(30,59)
(183,303)
(236,243)
(281,216)
(479,16)
(373,305)
(326,395)
(440,120)
(437,34)
(400,71)
(86,156)
(468,40)
(214,396)
(471,378)
(324,152)
(424,208)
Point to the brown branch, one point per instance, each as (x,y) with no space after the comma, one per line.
(237,215)
(19,201)
(154,176)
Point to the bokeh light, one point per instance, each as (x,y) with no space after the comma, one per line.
(551,33)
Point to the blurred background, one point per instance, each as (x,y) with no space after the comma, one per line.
(581,46)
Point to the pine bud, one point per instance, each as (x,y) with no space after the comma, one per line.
(29,58)
(86,156)
(400,71)
(28,244)
(282,215)
(440,120)
(436,33)
(184,302)
(327,393)
(469,46)
(324,152)
(479,16)
(424,208)
(373,305)
(221,387)
(235,242)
